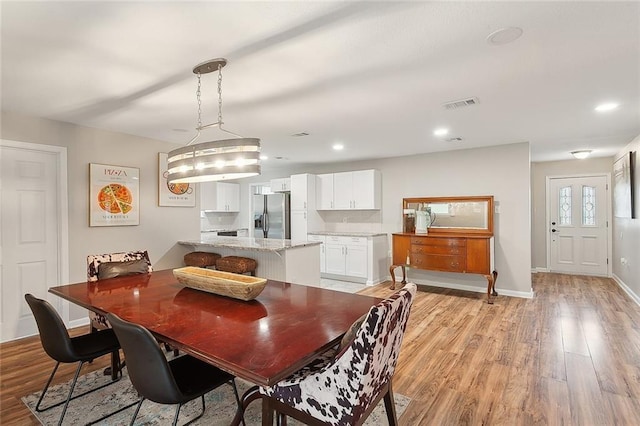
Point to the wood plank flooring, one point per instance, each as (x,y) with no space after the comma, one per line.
(569,356)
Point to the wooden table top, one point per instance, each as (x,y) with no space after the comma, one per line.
(262,341)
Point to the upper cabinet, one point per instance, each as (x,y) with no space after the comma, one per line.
(281,185)
(358,190)
(219,197)
(303,191)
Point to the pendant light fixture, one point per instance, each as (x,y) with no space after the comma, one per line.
(233,158)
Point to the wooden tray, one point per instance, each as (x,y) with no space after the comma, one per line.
(243,287)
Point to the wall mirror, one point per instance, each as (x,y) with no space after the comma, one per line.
(440,215)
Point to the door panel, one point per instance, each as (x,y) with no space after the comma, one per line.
(29,236)
(578,221)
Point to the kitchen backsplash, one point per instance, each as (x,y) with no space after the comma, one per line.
(352,221)
(210,220)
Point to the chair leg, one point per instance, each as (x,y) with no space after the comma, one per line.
(390,407)
(175,418)
(73,385)
(133,419)
(248,397)
(281,419)
(46,387)
(235,392)
(195,418)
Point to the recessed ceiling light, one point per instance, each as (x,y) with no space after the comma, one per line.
(338,147)
(504,35)
(609,106)
(264,157)
(441,131)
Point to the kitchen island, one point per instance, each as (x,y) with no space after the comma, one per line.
(282,260)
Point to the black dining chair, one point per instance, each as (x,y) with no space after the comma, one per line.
(177,381)
(65,349)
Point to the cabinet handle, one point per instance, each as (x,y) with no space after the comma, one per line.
(305,215)
(346,250)
(304,204)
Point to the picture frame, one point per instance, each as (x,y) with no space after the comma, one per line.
(623,191)
(173,195)
(114,195)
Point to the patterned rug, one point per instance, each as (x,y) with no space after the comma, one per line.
(220,405)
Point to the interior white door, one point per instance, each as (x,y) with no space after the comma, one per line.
(29,235)
(577,227)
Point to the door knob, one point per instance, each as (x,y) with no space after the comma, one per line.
(553,230)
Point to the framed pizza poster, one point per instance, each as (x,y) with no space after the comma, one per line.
(173,194)
(114,195)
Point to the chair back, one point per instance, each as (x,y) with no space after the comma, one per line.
(94,261)
(148,367)
(53,333)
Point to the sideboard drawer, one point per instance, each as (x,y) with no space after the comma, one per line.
(439,241)
(438,262)
(438,249)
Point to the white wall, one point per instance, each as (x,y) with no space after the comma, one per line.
(160,227)
(501,171)
(626,235)
(539,173)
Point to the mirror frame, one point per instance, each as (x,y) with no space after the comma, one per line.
(452,230)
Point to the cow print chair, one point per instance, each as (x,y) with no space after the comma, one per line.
(342,388)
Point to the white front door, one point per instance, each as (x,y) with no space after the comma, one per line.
(29,234)
(577,225)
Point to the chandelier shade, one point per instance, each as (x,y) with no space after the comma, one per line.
(214,160)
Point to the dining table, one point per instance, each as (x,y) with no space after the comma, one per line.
(263,340)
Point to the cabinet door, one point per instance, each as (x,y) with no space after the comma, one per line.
(299,225)
(356,261)
(229,196)
(300,191)
(207,196)
(280,185)
(366,190)
(334,259)
(343,195)
(324,192)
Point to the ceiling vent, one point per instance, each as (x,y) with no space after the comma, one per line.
(299,135)
(453,140)
(461,103)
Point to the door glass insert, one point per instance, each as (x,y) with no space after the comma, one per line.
(564,202)
(588,205)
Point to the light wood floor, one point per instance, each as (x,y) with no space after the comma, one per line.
(569,356)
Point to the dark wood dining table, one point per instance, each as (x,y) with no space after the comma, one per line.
(262,341)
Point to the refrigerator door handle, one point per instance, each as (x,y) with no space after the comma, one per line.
(265,224)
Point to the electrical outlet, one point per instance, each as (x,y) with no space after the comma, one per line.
(344,219)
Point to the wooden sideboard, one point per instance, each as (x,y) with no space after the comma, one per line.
(472,254)
(449,248)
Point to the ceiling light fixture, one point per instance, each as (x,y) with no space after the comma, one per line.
(582,154)
(441,132)
(338,147)
(609,106)
(214,160)
(504,35)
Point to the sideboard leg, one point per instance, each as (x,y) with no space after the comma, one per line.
(493,286)
(404,274)
(392,269)
(489,288)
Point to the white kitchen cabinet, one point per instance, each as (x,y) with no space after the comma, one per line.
(324,191)
(299,224)
(219,197)
(321,239)
(303,191)
(281,185)
(358,190)
(346,256)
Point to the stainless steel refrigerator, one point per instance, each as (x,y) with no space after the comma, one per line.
(271,216)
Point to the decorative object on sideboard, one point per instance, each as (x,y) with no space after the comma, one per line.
(214,160)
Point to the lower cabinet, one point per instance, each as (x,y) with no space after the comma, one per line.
(351,258)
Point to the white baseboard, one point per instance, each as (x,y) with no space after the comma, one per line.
(539,269)
(626,289)
(79,322)
(501,292)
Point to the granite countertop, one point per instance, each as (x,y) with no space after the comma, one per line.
(248,243)
(349,234)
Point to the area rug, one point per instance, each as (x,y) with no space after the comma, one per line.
(220,405)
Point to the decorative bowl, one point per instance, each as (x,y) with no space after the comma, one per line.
(243,287)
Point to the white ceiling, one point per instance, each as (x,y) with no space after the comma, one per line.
(371,75)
